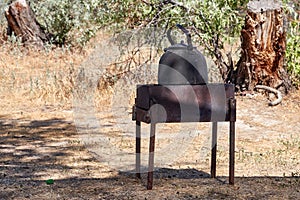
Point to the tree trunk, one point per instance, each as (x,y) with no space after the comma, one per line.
(263,47)
(22,22)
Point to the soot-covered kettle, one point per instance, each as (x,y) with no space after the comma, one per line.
(182,63)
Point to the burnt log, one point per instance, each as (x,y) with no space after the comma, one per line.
(263,47)
(22,22)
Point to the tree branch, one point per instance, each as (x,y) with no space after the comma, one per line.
(276,92)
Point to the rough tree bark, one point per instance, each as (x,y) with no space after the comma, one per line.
(22,22)
(263,48)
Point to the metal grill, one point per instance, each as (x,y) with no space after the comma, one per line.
(185,103)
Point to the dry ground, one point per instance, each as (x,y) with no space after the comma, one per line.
(39,141)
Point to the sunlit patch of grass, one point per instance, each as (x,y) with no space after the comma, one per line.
(38,75)
(280,160)
(291,144)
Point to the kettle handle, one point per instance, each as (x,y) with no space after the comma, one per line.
(188,36)
(169,36)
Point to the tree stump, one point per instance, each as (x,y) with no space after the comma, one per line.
(263,47)
(22,22)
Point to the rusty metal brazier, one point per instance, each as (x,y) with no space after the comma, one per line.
(183,95)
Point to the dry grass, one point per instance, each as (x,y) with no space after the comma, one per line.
(38,75)
(38,137)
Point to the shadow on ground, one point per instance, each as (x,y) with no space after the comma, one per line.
(32,149)
(28,147)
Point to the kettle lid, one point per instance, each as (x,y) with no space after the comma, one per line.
(180,46)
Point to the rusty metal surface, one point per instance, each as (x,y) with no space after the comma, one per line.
(151,157)
(184,103)
(138,149)
(213,161)
(231,152)
(232,104)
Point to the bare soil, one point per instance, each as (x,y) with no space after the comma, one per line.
(40,142)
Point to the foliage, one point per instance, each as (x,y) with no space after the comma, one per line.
(209,19)
(213,23)
(293,40)
(2,8)
(76,21)
(72,22)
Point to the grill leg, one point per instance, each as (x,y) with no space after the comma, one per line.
(214,150)
(151,157)
(231,154)
(138,149)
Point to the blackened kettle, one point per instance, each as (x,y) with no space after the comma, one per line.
(182,63)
